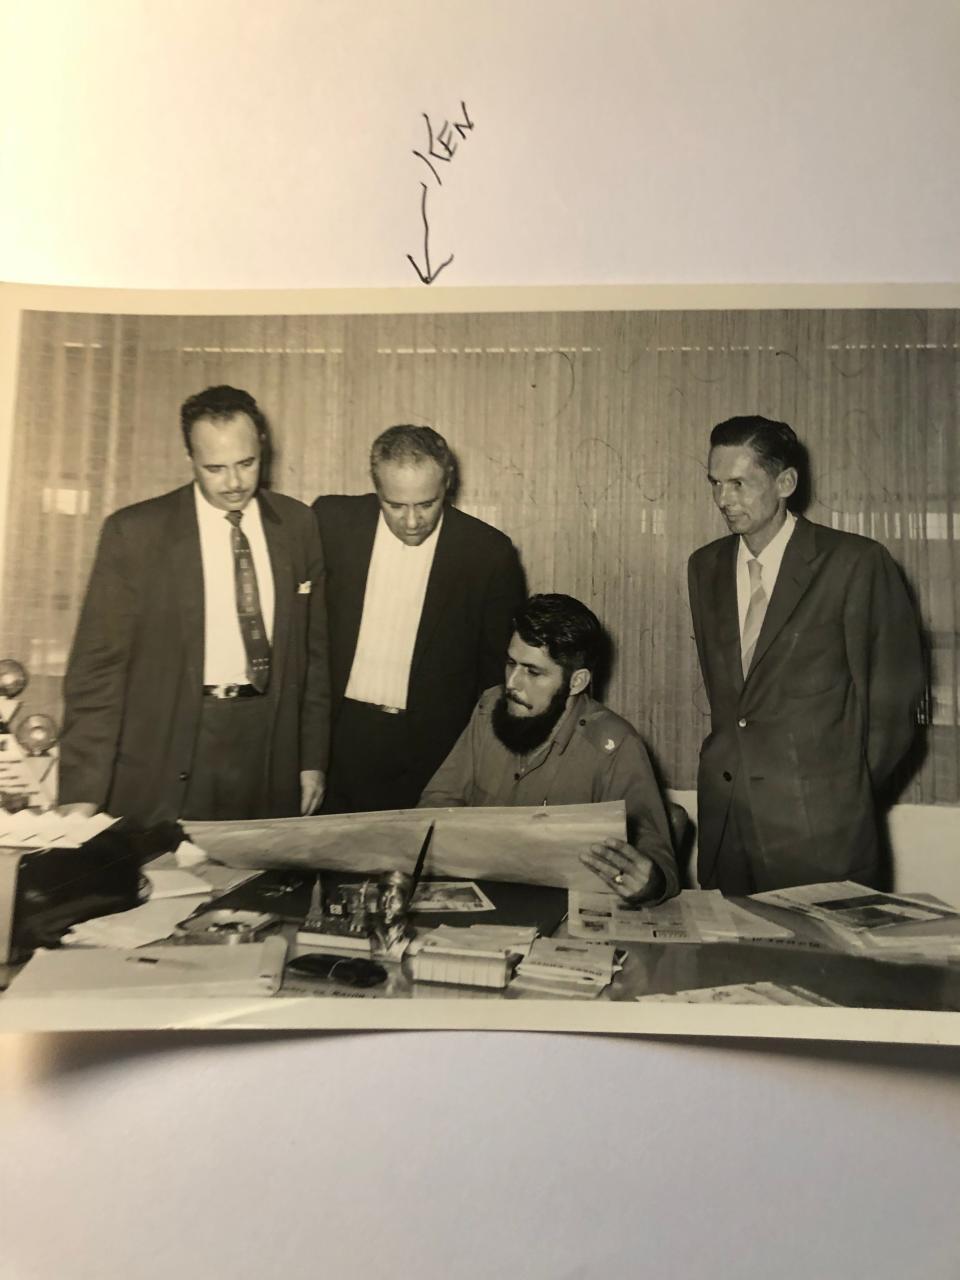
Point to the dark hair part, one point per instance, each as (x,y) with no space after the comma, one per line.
(413,446)
(219,404)
(569,631)
(774,443)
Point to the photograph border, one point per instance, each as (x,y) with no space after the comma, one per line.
(331,1013)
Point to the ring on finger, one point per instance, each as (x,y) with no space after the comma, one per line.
(618,878)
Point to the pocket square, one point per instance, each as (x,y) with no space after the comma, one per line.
(303,588)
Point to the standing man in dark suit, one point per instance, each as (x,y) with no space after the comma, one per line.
(198,684)
(420,598)
(812,663)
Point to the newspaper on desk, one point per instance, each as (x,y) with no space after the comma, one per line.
(860,920)
(695,915)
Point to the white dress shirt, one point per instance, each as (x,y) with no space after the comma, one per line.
(392,605)
(770,559)
(224,655)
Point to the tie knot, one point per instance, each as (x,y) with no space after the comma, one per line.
(235,517)
(755,569)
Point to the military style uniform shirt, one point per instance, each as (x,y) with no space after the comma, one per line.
(592,755)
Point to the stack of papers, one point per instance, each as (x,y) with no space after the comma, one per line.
(741,993)
(171,882)
(566,967)
(252,969)
(858,920)
(481,955)
(174,895)
(50,830)
(220,879)
(695,915)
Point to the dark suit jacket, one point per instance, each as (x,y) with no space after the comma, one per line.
(134,682)
(827,710)
(475,587)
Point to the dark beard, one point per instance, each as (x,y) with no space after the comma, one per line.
(523,734)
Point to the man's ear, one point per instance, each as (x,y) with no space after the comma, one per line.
(787,482)
(580,680)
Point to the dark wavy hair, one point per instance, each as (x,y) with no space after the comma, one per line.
(569,631)
(774,443)
(218,404)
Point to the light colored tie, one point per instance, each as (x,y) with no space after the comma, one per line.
(756,610)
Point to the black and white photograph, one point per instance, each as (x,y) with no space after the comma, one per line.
(639,626)
(500,453)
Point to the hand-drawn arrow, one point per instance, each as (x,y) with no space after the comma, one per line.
(429,276)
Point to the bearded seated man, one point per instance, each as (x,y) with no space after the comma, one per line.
(541,739)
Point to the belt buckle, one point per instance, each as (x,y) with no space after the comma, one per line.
(391,711)
(230,691)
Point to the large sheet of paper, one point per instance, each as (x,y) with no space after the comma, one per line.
(539,845)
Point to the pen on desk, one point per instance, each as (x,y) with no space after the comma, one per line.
(421,859)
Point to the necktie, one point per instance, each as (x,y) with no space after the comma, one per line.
(248,606)
(755,614)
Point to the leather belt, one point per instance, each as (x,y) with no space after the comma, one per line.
(230,691)
(374,706)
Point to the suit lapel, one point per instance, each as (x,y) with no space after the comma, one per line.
(796,571)
(186,568)
(351,586)
(444,572)
(725,611)
(281,565)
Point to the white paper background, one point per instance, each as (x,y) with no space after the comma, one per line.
(215,144)
(226,143)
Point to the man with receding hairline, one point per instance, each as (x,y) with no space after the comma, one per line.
(420,597)
(197,685)
(811,659)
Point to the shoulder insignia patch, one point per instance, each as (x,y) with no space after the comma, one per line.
(605,731)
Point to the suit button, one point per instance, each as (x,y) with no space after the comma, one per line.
(742,724)
(516,777)
(727,777)
(183,776)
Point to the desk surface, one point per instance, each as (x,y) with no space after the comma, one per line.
(654,968)
(664,968)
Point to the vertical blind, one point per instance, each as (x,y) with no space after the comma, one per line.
(582,435)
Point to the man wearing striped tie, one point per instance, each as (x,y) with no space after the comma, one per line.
(198,683)
(811,659)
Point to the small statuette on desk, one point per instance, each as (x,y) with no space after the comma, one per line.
(392,920)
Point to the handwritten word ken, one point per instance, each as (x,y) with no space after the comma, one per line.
(441,148)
